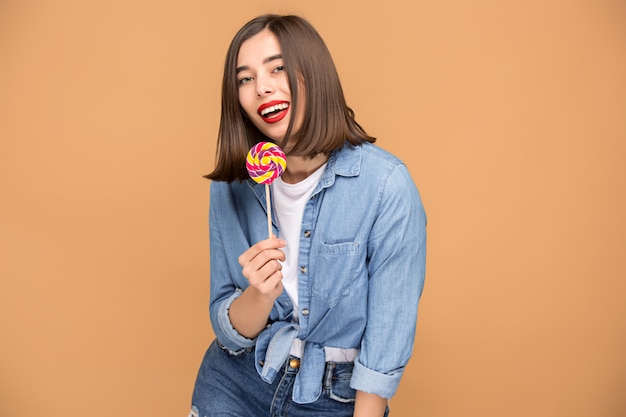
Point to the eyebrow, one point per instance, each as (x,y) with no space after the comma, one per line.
(265,61)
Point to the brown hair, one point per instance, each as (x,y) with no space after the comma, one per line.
(328,122)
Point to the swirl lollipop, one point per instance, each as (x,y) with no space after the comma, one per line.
(266,162)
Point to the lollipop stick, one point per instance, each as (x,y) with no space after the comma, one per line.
(268,200)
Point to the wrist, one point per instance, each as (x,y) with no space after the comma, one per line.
(264,300)
(369,405)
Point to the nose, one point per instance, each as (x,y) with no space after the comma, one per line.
(264,85)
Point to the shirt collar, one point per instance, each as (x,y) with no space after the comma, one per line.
(345,162)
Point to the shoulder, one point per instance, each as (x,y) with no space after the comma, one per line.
(378,164)
(231,193)
(376,151)
(235,187)
(371,170)
(374,155)
(365,160)
(389,172)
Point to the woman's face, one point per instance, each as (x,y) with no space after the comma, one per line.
(263,86)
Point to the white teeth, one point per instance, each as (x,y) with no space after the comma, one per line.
(281,106)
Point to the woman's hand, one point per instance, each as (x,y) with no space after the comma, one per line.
(261,267)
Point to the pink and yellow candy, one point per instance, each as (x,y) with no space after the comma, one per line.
(265,162)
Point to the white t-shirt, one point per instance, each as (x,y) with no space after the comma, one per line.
(289,201)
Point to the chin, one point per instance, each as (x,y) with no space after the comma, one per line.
(278,139)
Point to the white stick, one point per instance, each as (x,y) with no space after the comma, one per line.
(269,209)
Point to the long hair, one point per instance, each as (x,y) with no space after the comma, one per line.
(327,123)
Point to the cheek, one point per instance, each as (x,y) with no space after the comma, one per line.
(245,104)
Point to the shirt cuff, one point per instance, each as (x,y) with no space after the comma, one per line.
(231,339)
(373,382)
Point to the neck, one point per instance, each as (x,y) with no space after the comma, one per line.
(299,168)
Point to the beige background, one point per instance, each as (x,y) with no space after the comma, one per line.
(510,115)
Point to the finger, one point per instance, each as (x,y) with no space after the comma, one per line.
(262,258)
(272,284)
(260,246)
(257,276)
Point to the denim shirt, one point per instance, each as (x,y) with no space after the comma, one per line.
(362,262)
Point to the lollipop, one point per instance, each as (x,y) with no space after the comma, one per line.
(266,162)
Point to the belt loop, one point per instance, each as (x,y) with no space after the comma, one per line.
(328,375)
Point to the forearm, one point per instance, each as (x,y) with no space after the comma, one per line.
(249,312)
(369,405)
(261,266)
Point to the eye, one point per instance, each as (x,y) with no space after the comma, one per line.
(279,68)
(245,80)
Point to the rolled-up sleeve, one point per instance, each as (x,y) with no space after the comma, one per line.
(397,255)
(224,289)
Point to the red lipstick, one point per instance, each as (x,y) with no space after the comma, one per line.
(273,111)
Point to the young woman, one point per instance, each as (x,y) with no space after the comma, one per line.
(319,319)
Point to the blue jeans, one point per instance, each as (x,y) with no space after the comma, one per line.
(229,386)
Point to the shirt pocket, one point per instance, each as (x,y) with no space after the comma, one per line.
(335,271)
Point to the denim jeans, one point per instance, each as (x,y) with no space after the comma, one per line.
(228,385)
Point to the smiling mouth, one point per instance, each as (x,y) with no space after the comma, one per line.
(274,111)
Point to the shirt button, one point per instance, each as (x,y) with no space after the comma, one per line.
(294,363)
(303,269)
(305,311)
(307,233)
(261,363)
